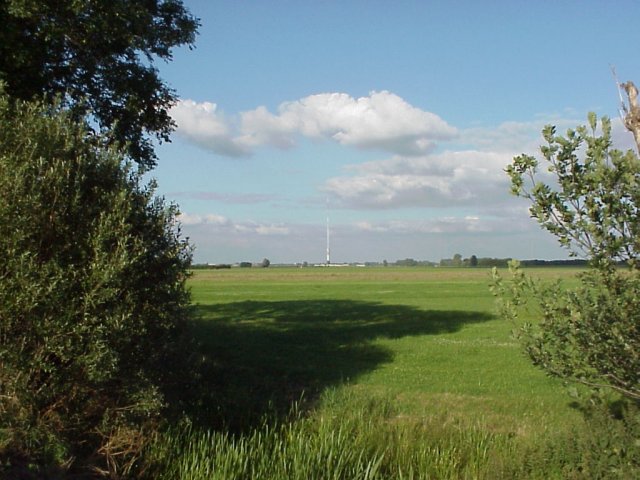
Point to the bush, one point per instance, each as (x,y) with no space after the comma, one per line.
(93,304)
(589,334)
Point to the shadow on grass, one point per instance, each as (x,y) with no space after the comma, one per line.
(259,358)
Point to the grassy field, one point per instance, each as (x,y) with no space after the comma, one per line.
(405,368)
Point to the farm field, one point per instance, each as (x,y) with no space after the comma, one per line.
(402,356)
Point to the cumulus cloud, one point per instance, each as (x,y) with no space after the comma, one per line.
(526,137)
(446,179)
(272,230)
(483,223)
(382,121)
(469,173)
(204,125)
(215,223)
(442,225)
(210,219)
(521,137)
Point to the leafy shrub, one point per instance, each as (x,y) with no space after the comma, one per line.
(612,450)
(93,304)
(605,447)
(588,334)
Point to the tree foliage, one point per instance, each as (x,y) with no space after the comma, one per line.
(593,207)
(93,304)
(589,334)
(100,56)
(588,197)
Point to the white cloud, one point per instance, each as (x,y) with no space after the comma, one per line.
(526,137)
(469,173)
(468,224)
(207,127)
(439,180)
(272,230)
(221,224)
(382,121)
(210,219)
(520,137)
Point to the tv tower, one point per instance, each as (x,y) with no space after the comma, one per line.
(328,235)
(328,245)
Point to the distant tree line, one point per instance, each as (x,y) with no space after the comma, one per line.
(456,261)
(555,263)
(410,262)
(221,266)
(473,261)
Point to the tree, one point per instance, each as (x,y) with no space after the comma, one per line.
(100,56)
(589,334)
(407,262)
(473,261)
(593,210)
(93,304)
(632,111)
(265,263)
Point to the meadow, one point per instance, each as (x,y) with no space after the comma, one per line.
(366,373)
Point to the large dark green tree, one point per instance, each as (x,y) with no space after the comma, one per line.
(93,304)
(98,54)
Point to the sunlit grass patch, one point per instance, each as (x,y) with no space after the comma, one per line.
(392,373)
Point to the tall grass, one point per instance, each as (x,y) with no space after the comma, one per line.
(361,438)
(350,440)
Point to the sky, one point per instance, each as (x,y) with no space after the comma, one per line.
(392,122)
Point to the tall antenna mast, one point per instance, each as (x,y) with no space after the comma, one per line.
(328,238)
(328,246)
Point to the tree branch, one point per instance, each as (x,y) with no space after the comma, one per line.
(632,114)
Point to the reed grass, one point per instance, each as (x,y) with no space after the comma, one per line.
(361,438)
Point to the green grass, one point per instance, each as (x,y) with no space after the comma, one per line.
(395,373)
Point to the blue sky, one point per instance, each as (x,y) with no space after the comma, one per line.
(395,118)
